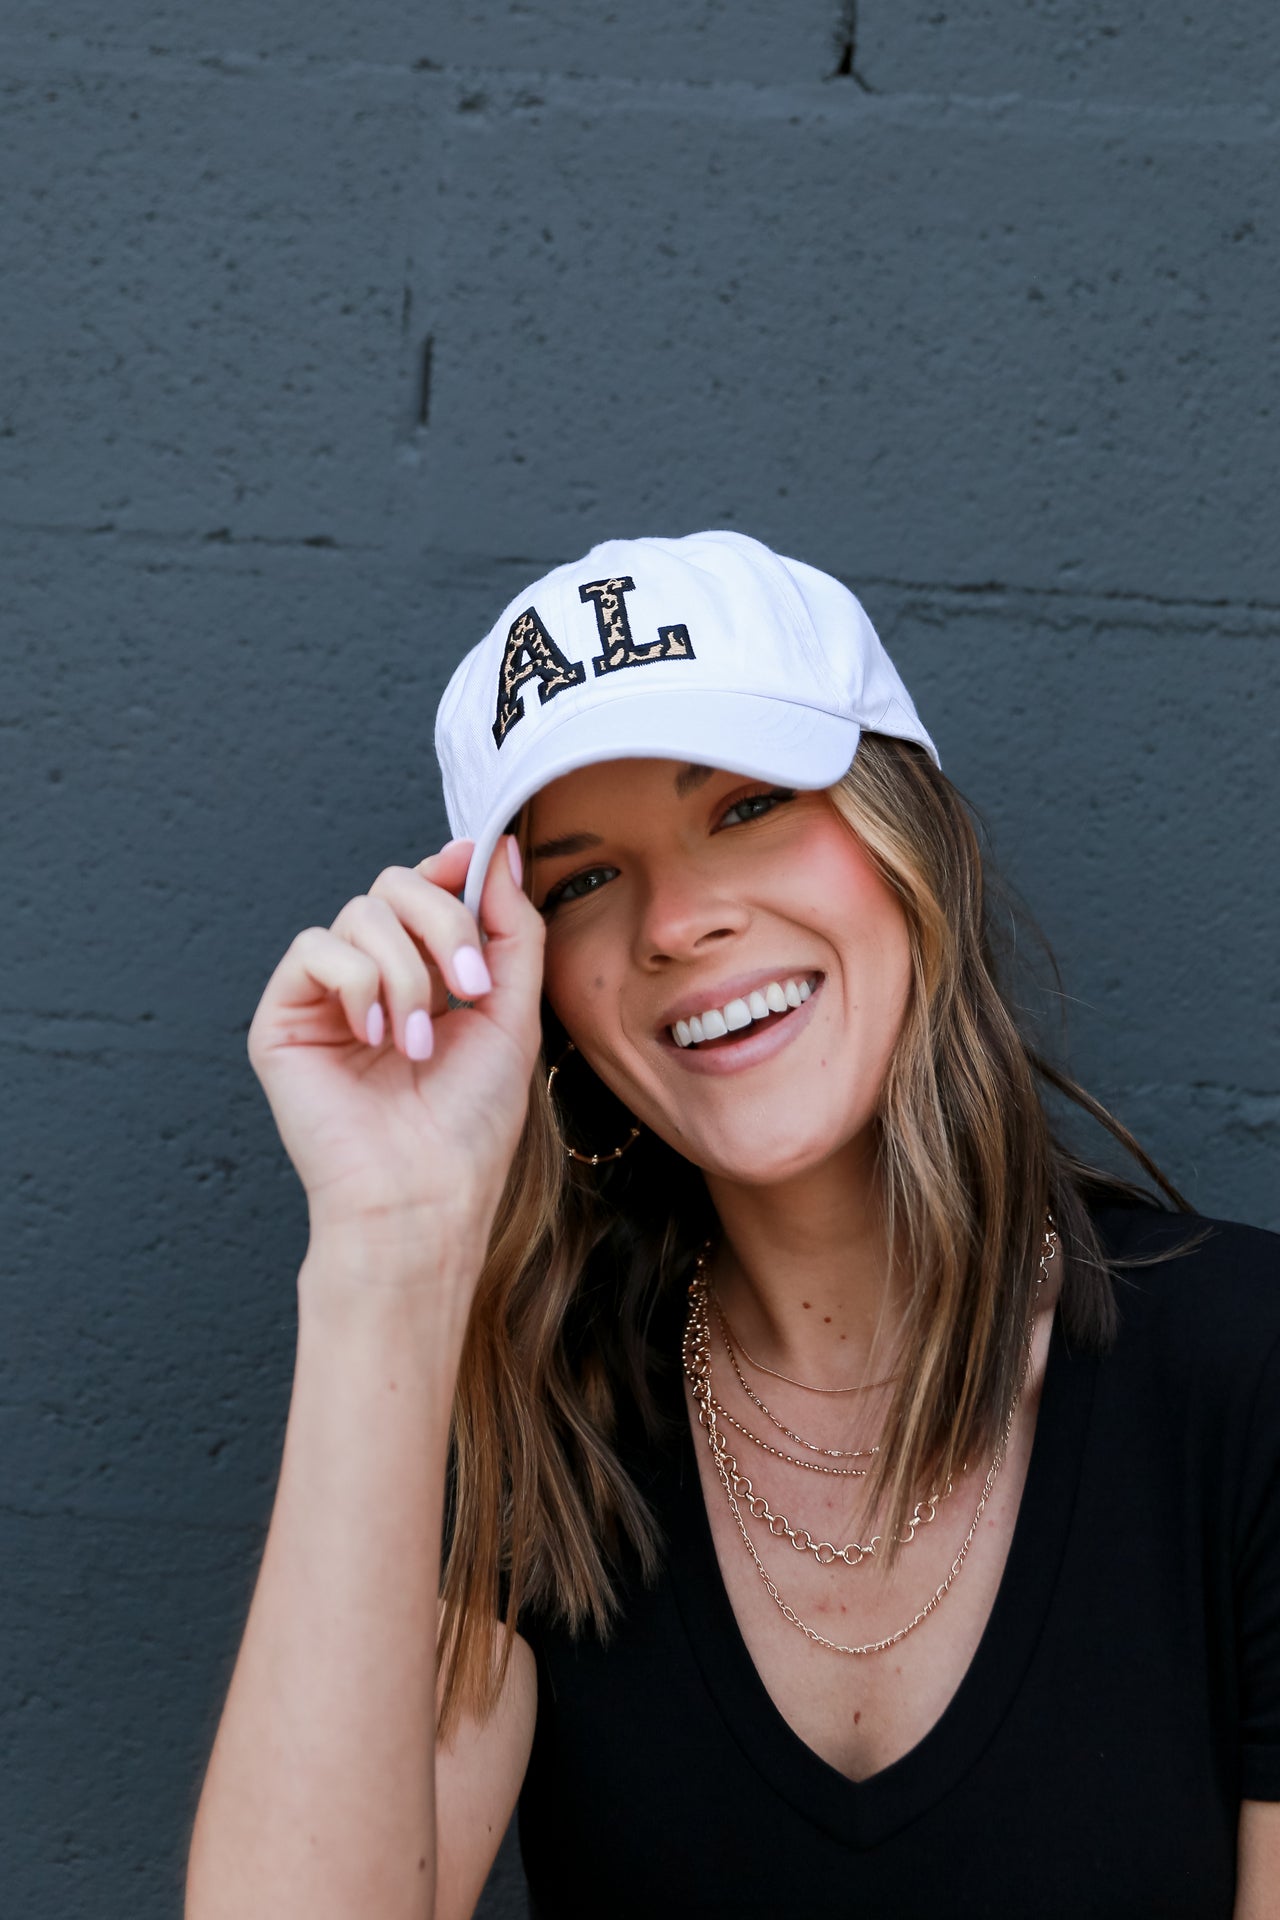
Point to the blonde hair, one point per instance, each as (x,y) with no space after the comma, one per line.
(540,1507)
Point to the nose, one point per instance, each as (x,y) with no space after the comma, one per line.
(683,917)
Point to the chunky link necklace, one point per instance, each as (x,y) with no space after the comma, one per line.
(696,1349)
(711,1411)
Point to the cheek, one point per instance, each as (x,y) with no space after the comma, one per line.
(866,923)
(836,882)
(580,986)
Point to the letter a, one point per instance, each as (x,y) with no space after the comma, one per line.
(530,651)
(620,650)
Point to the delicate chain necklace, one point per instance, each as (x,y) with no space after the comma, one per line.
(779,1453)
(734,1339)
(697,1366)
(710,1411)
(828,1453)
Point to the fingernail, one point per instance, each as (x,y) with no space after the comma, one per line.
(470,970)
(374,1024)
(513,855)
(418,1038)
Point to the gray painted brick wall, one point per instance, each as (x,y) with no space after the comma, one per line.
(976,306)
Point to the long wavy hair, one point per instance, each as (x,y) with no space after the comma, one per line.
(541,1510)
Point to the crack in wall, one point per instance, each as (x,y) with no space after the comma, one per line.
(846,67)
(424,382)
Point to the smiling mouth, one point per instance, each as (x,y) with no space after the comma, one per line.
(766,1006)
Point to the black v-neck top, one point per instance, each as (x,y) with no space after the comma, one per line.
(1123,1699)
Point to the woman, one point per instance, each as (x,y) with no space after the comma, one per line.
(685,1221)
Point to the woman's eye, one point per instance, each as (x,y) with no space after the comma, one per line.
(576,886)
(754,804)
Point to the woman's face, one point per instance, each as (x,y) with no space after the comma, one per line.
(671,891)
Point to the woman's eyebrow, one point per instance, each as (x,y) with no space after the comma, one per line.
(690,778)
(568,843)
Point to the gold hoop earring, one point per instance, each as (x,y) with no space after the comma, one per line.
(590,1159)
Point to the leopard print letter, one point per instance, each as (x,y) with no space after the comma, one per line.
(620,650)
(530,651)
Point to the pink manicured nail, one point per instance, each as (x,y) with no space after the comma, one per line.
(374,1024)
(418,1038)
(470,971)
(513,855)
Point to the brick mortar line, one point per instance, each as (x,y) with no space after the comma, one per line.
(471,568)
(251,1530)
(822,99)
(1007,591)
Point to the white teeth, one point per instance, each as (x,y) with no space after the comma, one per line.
(777,997)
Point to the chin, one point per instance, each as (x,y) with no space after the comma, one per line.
(772,1156)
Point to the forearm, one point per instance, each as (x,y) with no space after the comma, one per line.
(318,1797)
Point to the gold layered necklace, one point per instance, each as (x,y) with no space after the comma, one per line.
(734,1340)
(832,1453)
(697,1347)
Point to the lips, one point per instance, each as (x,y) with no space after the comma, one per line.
(771,1000)
(741,1048)
(728,1008)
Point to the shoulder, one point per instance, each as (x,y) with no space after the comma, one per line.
(1198,1298)
(1187,1261)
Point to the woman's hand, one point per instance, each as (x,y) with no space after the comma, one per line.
(397,1111)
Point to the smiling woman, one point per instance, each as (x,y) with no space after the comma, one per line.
(792,1440)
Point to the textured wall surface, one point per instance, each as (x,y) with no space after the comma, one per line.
(326,327)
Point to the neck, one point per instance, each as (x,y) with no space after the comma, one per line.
(803,1270)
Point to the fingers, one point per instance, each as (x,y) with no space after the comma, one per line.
(405,987)
(422,903)
(393,955)
(515,928)
(422,940)
(319,958)
(448,867)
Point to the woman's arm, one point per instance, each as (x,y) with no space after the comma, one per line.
(478,1778)
(319,1801)
(1258,1861)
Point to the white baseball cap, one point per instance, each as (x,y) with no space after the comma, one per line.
(710,649)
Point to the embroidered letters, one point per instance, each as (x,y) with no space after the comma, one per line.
(531,653)
(620,650)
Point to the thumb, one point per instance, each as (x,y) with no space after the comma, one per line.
(513,927)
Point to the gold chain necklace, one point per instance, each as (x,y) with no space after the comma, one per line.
(710,1410)
(734,1339)
(829,1453)
(779,1453)
(697,1364)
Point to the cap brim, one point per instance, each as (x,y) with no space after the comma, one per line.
(760,736)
